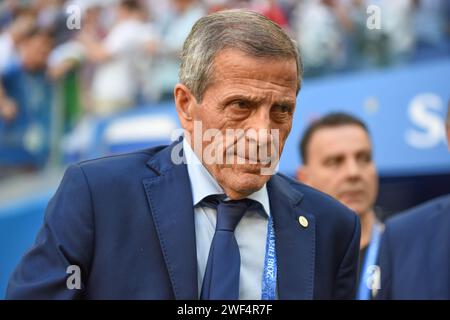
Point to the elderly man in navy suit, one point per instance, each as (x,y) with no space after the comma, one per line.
(415,251)
(206,217)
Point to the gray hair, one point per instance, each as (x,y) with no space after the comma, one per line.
(244,30)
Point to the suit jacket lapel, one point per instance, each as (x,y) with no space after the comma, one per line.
(295,244)
(170,199)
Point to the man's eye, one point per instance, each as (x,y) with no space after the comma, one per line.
(241,104)
(282,109)
(332,162)
(365,158)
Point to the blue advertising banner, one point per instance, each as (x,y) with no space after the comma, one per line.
(404,108)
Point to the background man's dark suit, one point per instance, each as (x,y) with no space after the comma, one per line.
(128,222)
(415,253)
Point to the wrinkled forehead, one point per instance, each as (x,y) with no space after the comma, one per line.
(339,140)
(230,63)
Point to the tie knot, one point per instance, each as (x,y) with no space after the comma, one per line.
(229,213)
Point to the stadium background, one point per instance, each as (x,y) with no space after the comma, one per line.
(395,78)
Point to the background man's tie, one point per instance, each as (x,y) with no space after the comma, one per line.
(221,280)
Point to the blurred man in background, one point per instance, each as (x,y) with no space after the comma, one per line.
(337,159)
(117,57)
(25,130)
(171,28)
(415,251)
(10,40)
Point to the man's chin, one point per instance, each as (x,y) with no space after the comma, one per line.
(239,181)
(355,206)
(251,181)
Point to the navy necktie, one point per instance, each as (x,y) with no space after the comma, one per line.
(221,280)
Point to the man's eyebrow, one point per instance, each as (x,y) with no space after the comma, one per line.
(286,102)
(364,152)
(257,99)
(333,156)
(243,96)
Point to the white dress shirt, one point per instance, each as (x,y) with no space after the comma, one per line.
(250,233)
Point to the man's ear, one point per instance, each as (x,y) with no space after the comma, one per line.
(185,103)
(302,174)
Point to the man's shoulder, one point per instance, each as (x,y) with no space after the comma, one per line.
(132,163)
(319,203)
(336,226)
(416,216)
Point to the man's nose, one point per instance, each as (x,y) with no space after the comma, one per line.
(260,119)
(260,124)
(260,136)
(353,169)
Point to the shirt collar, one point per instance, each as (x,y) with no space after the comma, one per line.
(203,183)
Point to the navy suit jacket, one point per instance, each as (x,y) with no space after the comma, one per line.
(415,253)
(128,222)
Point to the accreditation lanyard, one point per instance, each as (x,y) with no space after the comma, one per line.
(369,261)
(269,279)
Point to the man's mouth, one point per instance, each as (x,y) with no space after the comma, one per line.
(352,194)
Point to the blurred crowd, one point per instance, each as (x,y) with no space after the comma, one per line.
(84,59)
